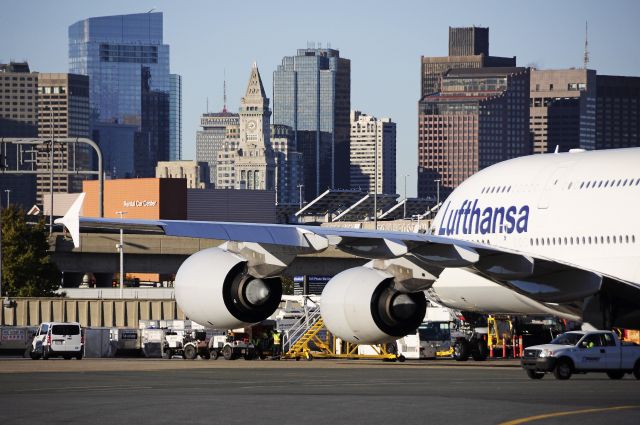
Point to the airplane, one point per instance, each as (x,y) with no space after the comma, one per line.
(553,234)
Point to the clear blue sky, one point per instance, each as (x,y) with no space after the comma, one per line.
(383,39)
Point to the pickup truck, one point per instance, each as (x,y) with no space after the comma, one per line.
(582,352)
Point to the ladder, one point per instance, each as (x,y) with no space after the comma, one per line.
(299,328)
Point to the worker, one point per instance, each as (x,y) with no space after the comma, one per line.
(276,343)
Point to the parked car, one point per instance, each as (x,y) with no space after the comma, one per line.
(582,352)
(55,339)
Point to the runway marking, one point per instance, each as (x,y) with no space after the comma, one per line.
(571,412)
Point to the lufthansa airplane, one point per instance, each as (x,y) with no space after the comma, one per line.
(554,234)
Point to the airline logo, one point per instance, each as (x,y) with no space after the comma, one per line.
(470,219)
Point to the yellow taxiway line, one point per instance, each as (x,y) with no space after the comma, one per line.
(559,414)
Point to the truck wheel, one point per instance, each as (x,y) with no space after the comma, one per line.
(615,374)
(190,352)
(563,369)
(227,352)
(480,351)
(45,353)
(79,356)
(533,374)
(461,351)
(168,353)
(213,354)
(636,370)
(401,358)
(34,355)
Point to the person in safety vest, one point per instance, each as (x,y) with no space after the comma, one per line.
(277,340)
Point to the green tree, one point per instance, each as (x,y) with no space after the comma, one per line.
(27,270)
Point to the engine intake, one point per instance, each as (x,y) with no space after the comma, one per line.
(214,288)
(361,305)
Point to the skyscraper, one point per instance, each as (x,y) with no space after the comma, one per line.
(216,128)
(175,117)
(480,117)
(128,68)
(562,109)
(617,112)
(368,136)
(312,95)
(468,48)
(63,98)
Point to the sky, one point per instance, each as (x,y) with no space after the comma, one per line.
(383,39)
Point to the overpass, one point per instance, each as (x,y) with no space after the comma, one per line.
(145,253)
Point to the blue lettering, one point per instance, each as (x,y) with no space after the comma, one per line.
(511,220)
(476,220)
(523,220)
(485,224)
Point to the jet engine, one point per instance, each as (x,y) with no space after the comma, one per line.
(361,305)
(214,288)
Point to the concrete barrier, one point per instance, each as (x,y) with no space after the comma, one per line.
(89,312)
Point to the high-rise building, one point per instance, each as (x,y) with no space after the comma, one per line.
(289,172)
(253,159)
(18,118)
(312,95)
(617,112)
(562,109)
(196,173)
(216,128)
(128,68)
(63,111)
(480,117)
(368,136)
(468,48)
(175,117)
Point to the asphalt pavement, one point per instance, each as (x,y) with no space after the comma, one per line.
(149,391)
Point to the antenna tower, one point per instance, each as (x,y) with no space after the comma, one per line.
(586,44)
(224,90)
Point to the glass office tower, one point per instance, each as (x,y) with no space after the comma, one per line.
(175,117)
(312,95)
(128,69)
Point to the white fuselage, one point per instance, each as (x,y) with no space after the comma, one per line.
(577,208)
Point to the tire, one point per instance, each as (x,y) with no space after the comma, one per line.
(563,369)
(79,356)
(214,354)
(309,357)
(190,352)
(636,370)
(66,357)
(227,352)
(168,353)
(534,374)
(34,355)
(461,351)
(401,358)
(45,353)
(480,351)
(615,374)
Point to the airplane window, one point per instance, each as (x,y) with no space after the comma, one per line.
(581,185)
(601,239)
(555,182)
(637,182)
(548,241)
(614,239)
(553,241)
(542,241)
(571,240)
(509,190)
(633,238)
(595,240)
(626,239)
(619,181)
(620,239)
(589,240)
(530,241)
(584,240)
(565,240)
(625,182)
(606,183)
(570,184)
(608,239)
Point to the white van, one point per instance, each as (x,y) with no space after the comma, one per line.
(58,339)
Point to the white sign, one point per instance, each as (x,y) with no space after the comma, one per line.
(145,203)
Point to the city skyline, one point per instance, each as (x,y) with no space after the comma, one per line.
(384,44)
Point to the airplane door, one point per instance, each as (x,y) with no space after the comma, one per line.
(552,186)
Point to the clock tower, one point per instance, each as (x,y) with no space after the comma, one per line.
(255,163)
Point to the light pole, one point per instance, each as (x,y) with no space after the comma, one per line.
(120,247)
(404,215)
(437,181)
(51,174)
(375,185)
(8,196)
(300,186)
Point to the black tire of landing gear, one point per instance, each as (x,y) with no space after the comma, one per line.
(534,374)
(461,351)
(479,350)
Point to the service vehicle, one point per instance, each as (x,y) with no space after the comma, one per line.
(55,339)
(232,346)
(187,344)
(582,352)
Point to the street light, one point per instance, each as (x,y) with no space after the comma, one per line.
(51,174)
(437,181)
(375,185)
(120,248)
(300,186)
(404,215)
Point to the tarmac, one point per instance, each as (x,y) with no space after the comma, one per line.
(155,391)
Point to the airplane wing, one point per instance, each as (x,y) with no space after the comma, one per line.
(542,279)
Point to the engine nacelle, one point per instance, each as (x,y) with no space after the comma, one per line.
(361,305)
(214,289)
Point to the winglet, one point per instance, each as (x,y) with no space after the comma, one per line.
(71,220)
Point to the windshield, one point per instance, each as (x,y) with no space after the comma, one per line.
(434,331)
(567,339)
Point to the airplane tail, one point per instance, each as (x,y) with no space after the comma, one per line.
(71,220)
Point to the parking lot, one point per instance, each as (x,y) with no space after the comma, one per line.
(107,391)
